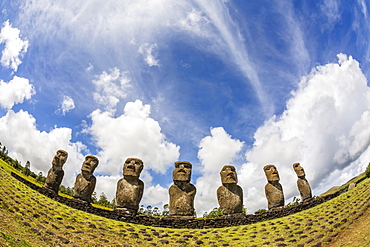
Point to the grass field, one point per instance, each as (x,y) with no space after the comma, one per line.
(29,218)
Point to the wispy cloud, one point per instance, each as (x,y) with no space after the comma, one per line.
(331,9)
(211,27)
(148,51)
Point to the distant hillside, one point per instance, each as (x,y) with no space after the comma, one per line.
(343,187)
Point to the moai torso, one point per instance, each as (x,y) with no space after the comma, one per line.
(130,188)
(302,183)
(230,199)
(274,194)
(182,199)
(230,195)
(84,187)
(85,181)
(182,192)
(54,179)
(273,189)
(129,194)
(304,188)
(56,173)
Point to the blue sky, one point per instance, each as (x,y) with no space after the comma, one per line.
(247,83)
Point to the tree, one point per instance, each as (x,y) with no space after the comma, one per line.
(148,210)
(103,200)
(367,171)
(94,198)
(216,212)
(27,169)
(39,177)
(165,210)
(156,211)
(244,210)
(141,209)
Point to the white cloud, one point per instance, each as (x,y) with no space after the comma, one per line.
(147,50)
(15,47)
(133,134)
(215,151)
(15,91)
(325,128)
(67,105)
(110,88)
(25,142)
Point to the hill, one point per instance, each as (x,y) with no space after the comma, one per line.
(32,219)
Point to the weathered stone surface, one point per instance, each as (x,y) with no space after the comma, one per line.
(302,183)
(130,188)
(273,189)
(230,195)
(85,181)
(182,192)
(56,173)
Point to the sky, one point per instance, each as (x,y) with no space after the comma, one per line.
(245,83)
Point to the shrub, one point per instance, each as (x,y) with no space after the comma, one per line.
(260,211)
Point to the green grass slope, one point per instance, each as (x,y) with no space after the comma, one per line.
(29,218)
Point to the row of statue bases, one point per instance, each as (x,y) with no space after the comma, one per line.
(130,188)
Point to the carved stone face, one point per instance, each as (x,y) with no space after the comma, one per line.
(182,171)
(299,170)
(89,165)
(272,174)
(60,158)
(133,167)
(228,175)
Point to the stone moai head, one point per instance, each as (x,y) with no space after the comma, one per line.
(299,170)
(272,174)
(133,167)
(89,165)
(59,159)
(228,175)
(182,171)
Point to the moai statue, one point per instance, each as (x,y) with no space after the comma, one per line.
(303,185)
(273,189)
(230,195)
(85,181)
(351,186)
(56,173)
(130,188)
(182,192)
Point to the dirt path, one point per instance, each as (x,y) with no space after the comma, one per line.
(358,233)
